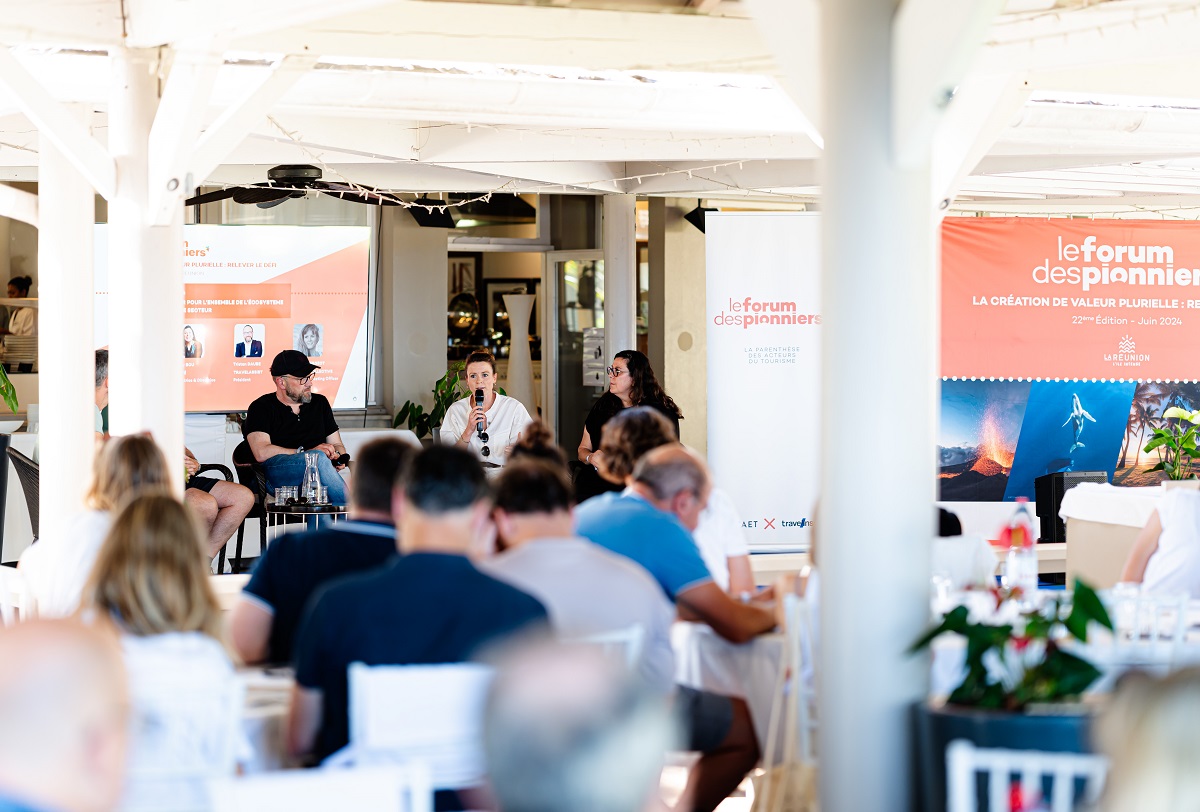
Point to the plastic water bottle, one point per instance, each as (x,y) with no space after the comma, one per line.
(1021,568)
(311,486)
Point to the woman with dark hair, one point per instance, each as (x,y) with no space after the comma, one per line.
(631,382)
(23,321)
(502,418)
(309,340)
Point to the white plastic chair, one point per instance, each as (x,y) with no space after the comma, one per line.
(791,770)
(626,643)
(964,761)
(16,604)
(395,788)
(434,713)
(184,736)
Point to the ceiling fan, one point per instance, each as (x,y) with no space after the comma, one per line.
(294,180)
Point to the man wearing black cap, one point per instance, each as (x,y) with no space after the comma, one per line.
(284,424)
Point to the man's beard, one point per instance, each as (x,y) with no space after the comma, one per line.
(301,396)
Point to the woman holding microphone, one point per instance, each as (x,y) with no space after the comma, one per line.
(502,418)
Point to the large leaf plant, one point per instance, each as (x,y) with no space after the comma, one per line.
(1011,665)
(7,391)
(1177,439)
(446,390)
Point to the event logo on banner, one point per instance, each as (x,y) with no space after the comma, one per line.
(252,291)
(764,351)
(1070,299)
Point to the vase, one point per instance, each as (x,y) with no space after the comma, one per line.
(520,363)
(936,726)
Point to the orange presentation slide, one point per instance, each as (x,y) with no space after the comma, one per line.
(1070,299)
(252,291)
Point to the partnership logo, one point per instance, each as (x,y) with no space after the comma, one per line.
(769,524)
(1126,354)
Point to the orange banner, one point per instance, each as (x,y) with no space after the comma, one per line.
(1114,299)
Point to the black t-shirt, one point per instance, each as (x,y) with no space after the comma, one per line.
(287,429)
(421,609)
(608,406)
(296,565)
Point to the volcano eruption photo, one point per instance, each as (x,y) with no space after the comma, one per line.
(980,423)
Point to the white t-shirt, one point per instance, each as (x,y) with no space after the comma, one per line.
(176,685)
(505,420)
(57,568)
(1175,565)
(589,590)
(719,536)
(23,322)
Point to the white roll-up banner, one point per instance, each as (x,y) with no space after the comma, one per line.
(764,354)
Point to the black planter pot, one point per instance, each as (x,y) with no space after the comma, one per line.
(936,727)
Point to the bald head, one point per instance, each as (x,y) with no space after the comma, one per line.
(675,480)
(568,728)
(63,709)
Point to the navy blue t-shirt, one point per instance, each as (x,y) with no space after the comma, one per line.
(294,566)
(420,609)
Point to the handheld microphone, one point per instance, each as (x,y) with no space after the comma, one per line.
(342,460)
(479,424)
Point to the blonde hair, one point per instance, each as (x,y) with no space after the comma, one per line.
(125,466)
(152,574)
(1149,732)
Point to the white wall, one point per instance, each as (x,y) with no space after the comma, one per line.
(413,293)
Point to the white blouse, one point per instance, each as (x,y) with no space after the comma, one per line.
(505,420)
(1175,565)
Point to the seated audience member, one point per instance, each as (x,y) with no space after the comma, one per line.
(1166,555)
(56,568)
(949,524)
(718,534)
(281,425)
(1149,734)
(151,581)
(219,505)
(101,395)
(585,588)
(63,720)
(567,729)
(430,605)
(264,621)
(650,523)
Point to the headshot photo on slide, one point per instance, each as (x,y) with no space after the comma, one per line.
(248,340)
(308,339)
(193,345)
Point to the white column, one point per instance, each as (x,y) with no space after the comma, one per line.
(620,275)
(65,350)
(145,272)
(879,382)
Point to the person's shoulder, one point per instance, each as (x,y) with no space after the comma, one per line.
(596,506)
(264,401)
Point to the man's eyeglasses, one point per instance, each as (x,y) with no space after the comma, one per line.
(616,372)
(306,379)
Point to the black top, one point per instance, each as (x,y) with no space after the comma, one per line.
(608,406)
(421,609)
(309,428)
(296,565)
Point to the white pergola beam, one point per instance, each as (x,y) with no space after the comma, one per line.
(56,124)
(233,125)
(791,28)
(152,23)
(177,125)
(981,111)
(934,43)
(19,205)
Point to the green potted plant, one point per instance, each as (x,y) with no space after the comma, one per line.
(1021,685)
(1177,439)
(446,390)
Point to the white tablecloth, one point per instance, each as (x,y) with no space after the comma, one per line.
(705,660)
(1109,504)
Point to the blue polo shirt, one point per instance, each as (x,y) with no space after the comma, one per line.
(420,609)
(294,566)
(630,526)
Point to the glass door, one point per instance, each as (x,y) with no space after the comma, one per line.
(574,318)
